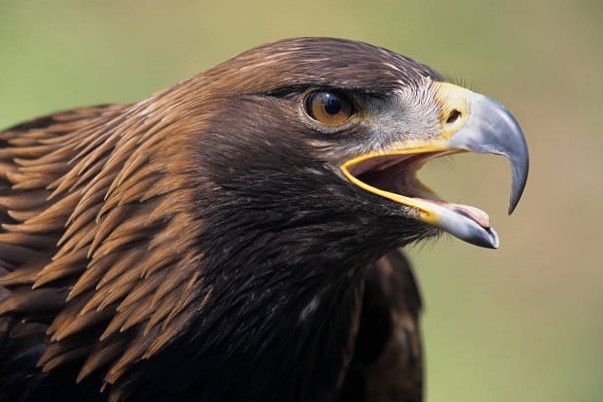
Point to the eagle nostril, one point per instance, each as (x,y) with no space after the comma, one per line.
(453,116)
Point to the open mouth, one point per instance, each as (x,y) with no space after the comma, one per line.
(394,176)
(469,122)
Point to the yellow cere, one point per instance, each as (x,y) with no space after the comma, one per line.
(453,102)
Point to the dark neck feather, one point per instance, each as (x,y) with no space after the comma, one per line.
(284,255)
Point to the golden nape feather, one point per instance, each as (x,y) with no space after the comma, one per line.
(93,205)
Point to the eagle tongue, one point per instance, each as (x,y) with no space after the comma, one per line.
(475,214)
(470,212)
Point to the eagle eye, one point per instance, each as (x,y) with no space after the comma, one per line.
(328,107)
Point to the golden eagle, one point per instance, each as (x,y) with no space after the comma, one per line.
(234,237)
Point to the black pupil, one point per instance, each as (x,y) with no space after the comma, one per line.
(332,103)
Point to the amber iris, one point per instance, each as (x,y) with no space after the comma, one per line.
(328,107)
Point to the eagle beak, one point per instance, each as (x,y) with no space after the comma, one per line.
(468,122)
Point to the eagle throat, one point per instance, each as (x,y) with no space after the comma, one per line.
(284,257)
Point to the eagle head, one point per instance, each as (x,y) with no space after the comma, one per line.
(234,236)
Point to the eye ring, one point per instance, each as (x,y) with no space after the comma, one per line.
(328,107)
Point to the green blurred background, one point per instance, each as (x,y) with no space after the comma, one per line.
(519,324)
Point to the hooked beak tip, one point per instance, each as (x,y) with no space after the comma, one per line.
(492,129)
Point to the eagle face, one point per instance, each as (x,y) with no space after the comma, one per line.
(234,237)
(373,118)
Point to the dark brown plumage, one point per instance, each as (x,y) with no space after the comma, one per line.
(203,244)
